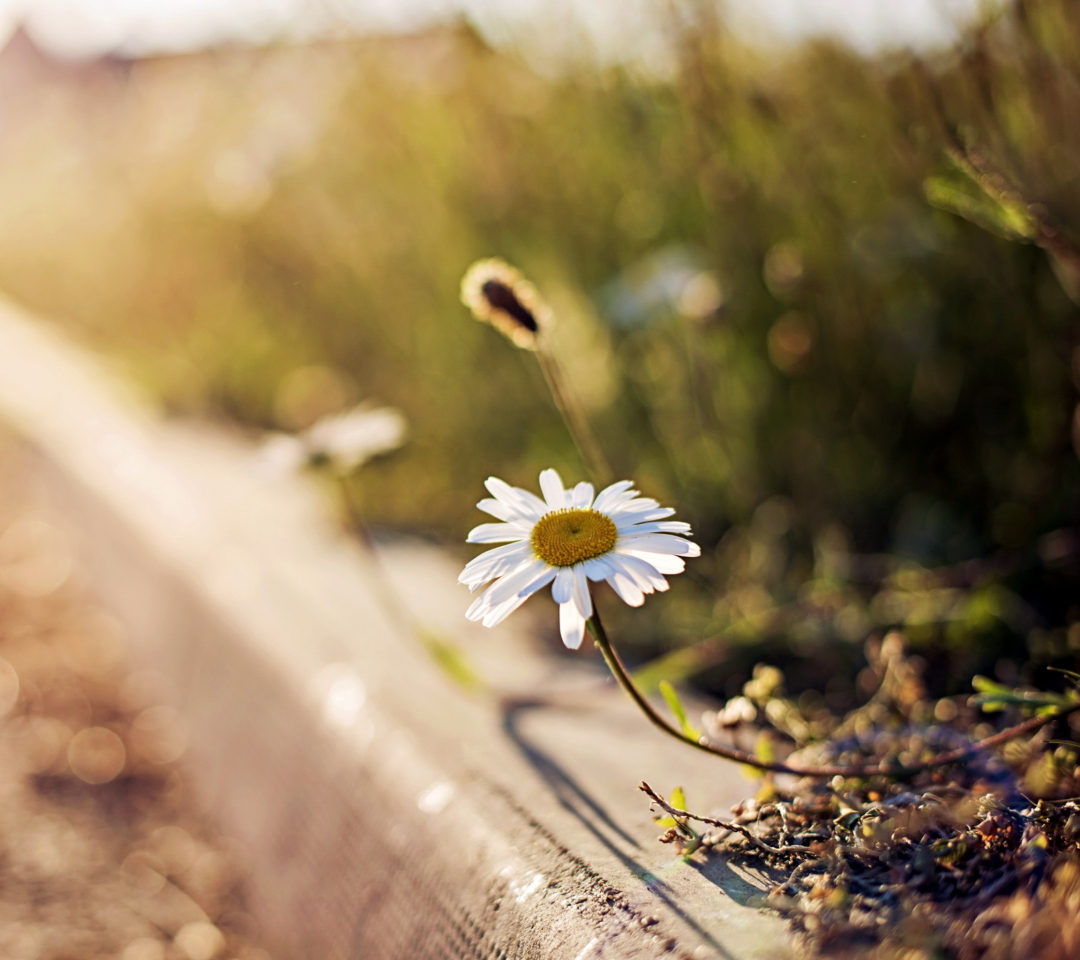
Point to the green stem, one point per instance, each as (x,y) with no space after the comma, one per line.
(622,676)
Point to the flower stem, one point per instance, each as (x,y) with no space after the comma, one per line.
(443,651)
(356,523)
(573,415)
(622,676)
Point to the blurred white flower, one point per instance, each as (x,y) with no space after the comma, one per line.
(354,437)
(281,453)
(344,441)
(567,541)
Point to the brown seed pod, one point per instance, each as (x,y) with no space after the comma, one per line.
(498,294)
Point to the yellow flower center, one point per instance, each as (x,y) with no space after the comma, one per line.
(565,537)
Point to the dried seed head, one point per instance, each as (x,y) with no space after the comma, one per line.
(498,294)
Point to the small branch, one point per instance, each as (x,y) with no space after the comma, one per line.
(797,873)
(733,827)
(886,769)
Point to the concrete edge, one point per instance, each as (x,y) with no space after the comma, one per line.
(385,813)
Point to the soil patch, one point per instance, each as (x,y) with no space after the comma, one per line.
(104,848)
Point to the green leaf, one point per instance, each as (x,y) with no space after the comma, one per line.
(988,705)
(671,698)
(452,661)
(692,845)
(998,701)
(968,198)
(994,697)
(763,748)
(678,801)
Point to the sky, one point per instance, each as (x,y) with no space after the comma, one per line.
(80,28)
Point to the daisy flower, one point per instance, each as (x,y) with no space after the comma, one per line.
(567,539)
(345,441)
(352,438)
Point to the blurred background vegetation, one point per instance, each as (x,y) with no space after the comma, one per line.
(820,301)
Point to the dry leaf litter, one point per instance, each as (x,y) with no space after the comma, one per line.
(976,861)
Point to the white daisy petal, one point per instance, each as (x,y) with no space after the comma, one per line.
(659,526)
(518,582)
(633,506)
(495,563)
(624,521)
(645,575)
(529,504)
(504,597)
(505,569)
(629,592)
(581,497)
(540,581)
(497,533)
(582,599)
(563,587)
(497,615)
(571,625)
(664,563)
(481,606)
(611,497)
(598,568)
(500,509)
(476,608)
(659,543)
(625,569)
(494,553)
(552,486)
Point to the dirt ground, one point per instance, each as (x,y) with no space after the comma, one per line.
(104,850)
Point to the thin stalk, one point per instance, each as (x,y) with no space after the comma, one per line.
(443,651)
(385,592)
(354,514)
(622,676)
(573,415)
